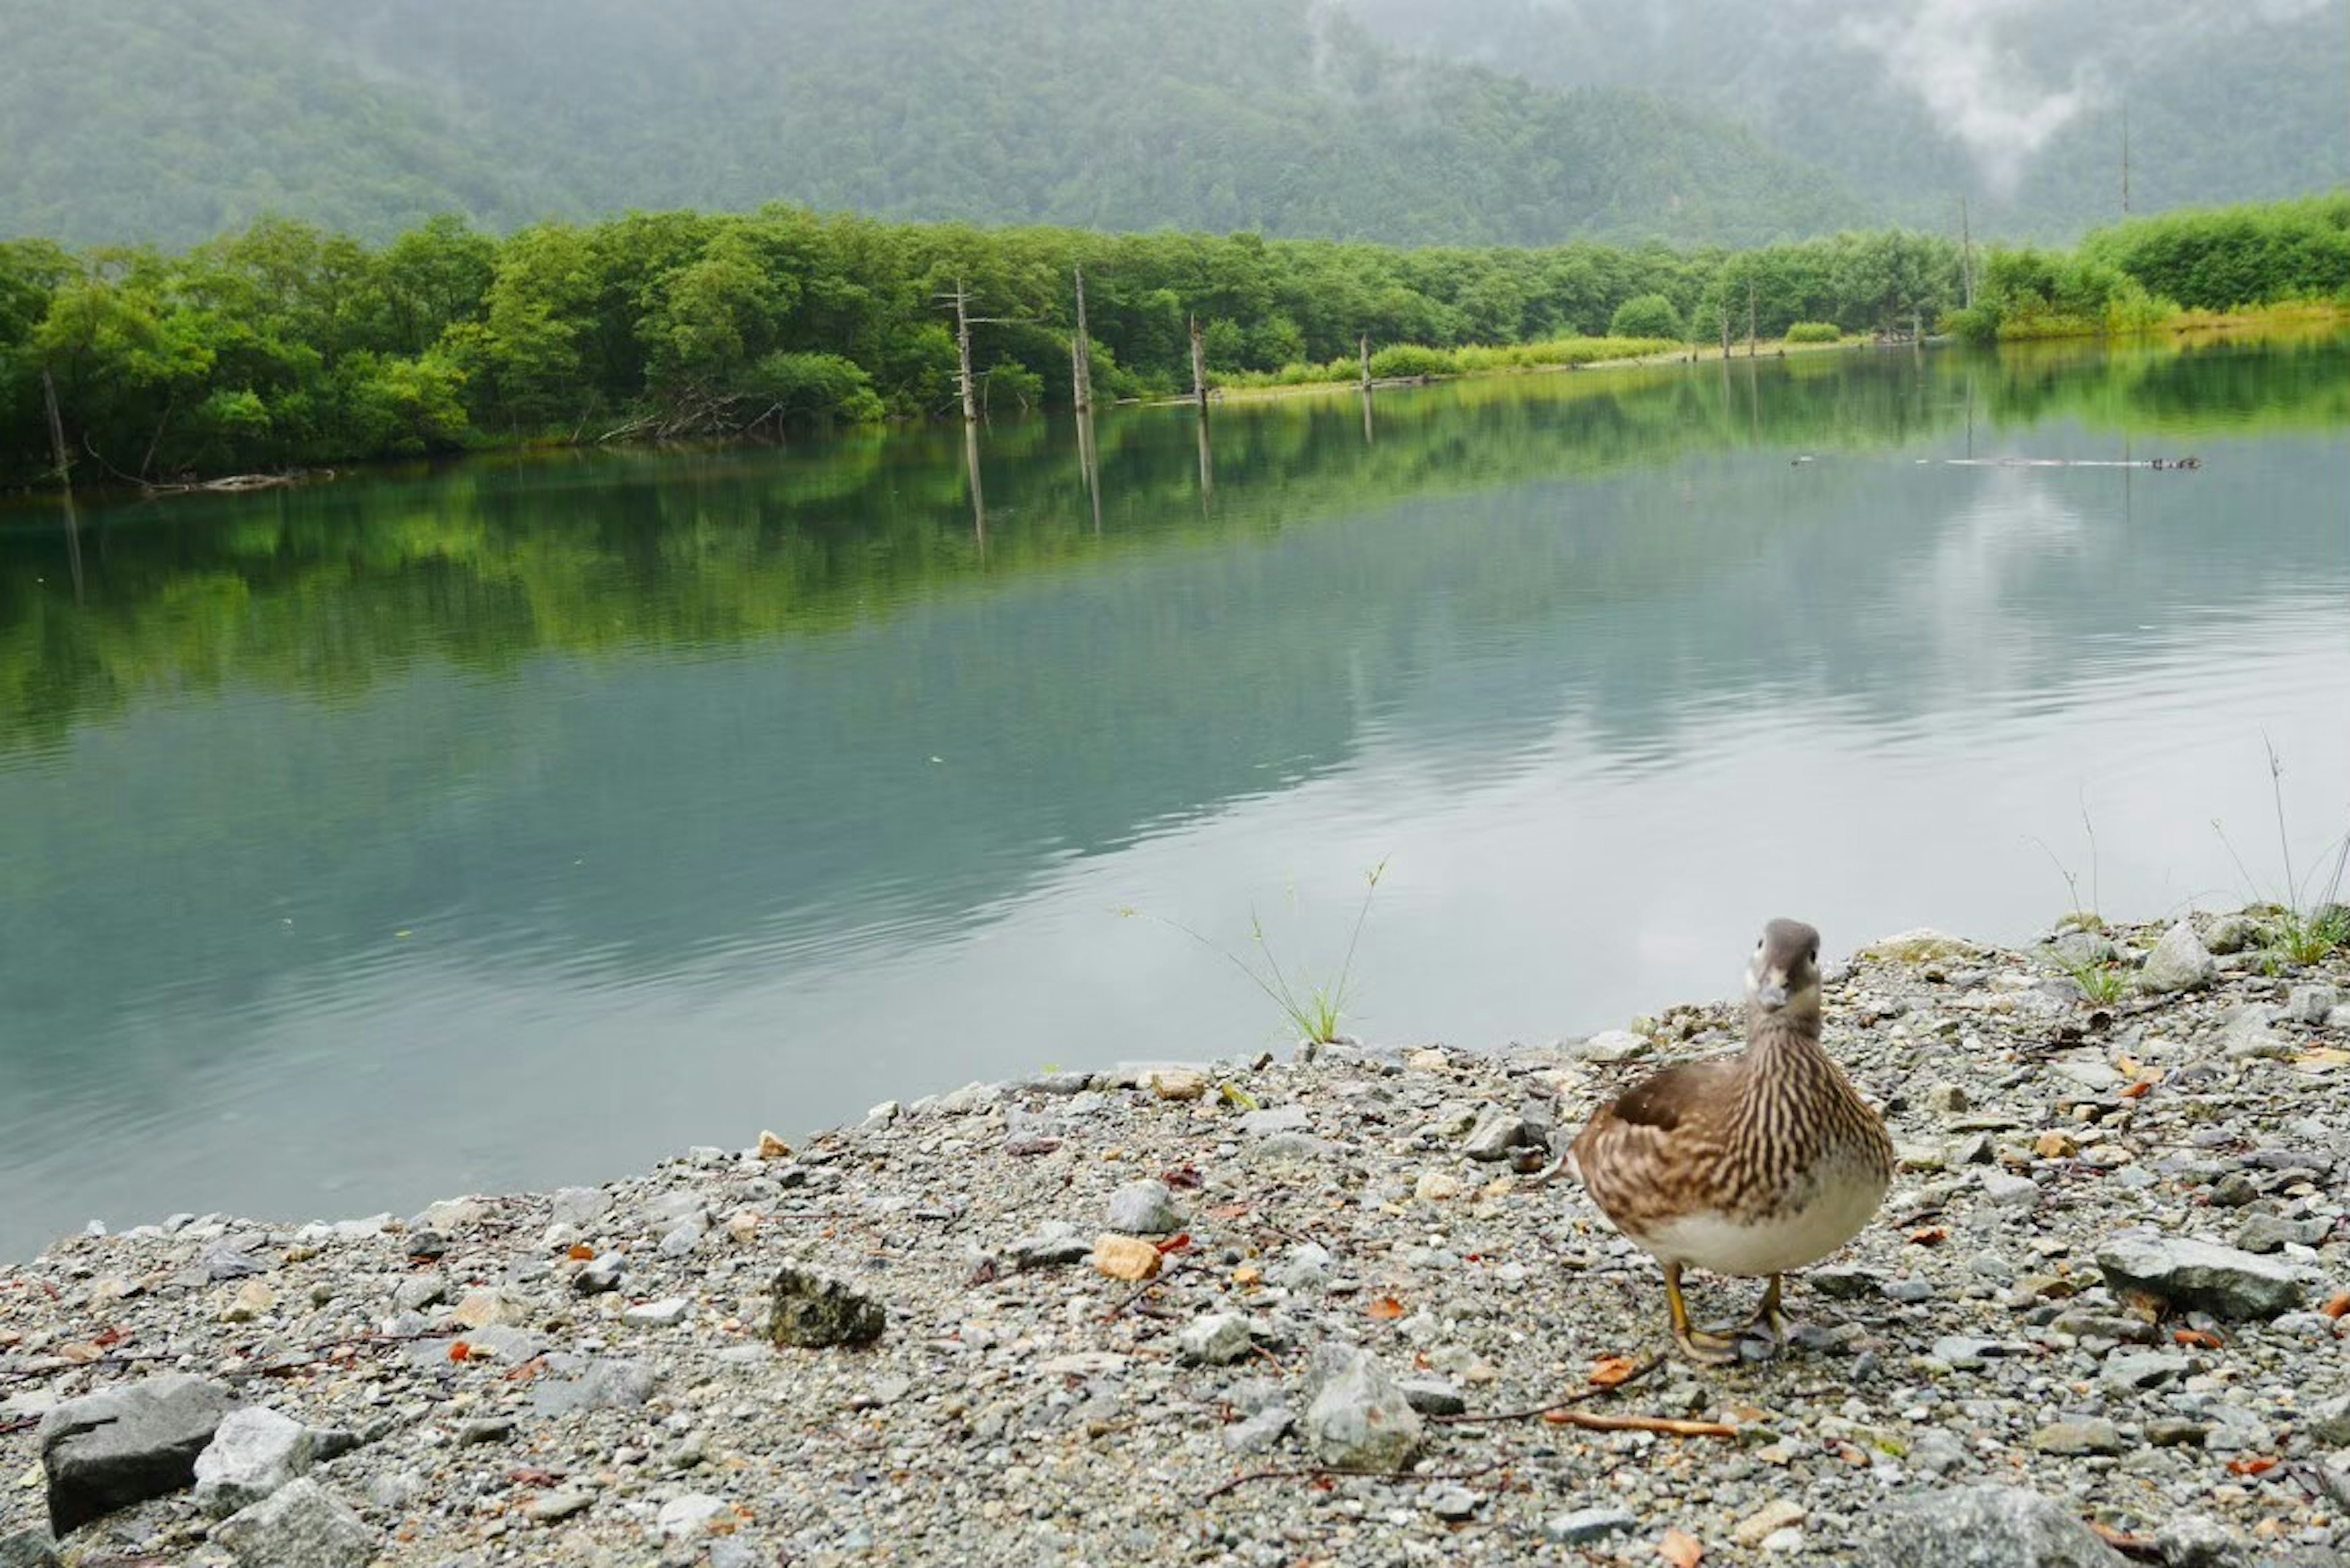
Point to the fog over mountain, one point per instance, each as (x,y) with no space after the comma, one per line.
(1423,121)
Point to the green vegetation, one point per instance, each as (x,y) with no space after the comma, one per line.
(1313,1008)
(169,124)
(284,344)
(2138,275)
(2308,921)
(1814,332)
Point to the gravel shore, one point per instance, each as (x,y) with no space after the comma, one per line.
(2100,1319)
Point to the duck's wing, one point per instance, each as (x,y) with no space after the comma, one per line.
(1640,1153)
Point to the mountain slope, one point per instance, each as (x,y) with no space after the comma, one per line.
(2017,107)
(1281,116)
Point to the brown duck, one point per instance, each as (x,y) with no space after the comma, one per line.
(1753,1164)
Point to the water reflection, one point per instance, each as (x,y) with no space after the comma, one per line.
(521,824)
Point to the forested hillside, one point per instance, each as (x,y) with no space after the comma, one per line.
(173,123)
(2018,107)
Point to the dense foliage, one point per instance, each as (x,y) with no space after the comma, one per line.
(2018,107)
(172,123)
(285,345)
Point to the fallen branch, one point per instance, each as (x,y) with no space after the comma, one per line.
(1333,1473)
(1667,1426)
(1589,1391)
(1142,1290)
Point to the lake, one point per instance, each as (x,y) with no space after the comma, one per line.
(522,822)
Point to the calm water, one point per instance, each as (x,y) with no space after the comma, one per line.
(520,824)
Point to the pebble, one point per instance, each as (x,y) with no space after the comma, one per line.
(1144,1209)
(1585,1526)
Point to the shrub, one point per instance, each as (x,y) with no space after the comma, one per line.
(1397,359)
(1814,332)
(1645,315)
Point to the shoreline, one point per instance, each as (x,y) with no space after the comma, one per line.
(587,1375)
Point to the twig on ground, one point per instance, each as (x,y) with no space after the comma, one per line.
(1321,1472)
(1590,1391)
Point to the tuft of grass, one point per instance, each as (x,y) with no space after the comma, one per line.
(2103,983)
(1313,1008)
(2311,922)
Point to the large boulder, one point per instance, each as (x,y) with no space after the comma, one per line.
(124,1445)
(301,1525)
(1985,1527)
(2188,1275)
(813,1309)
(1360,1419)
(255,1453)
(2179,961)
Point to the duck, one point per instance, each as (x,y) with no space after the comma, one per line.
(1752,1165)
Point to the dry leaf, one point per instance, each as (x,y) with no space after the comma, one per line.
(1387,1309)
(1932,1236)
(2338,1305)
(582,1252)
(459,1350)
(1247,1274)
(1228,1211)
(1681,1549)
(2195,1338)
(2134,1090)
(1609,1370)
(1175,1243)
(2250,1466)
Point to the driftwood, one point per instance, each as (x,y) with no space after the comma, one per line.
(234,482)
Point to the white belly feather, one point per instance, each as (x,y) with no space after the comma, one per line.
(1791,1237)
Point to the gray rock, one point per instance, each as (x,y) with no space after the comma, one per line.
(1056,1243)
(1585,1525)
(1947,1099)
(2010,1190)
(1304,1267)
(1495,1135)
(232,1257)
(598,1383)
(1432,1395)
(418,1292)
(556,1506)
(689,1515)
(1359,1419)
(2233,934)
(2097,1435)
(28,1549)
(2328,1421)
(2193,1275)
(681,1242)
(813,1309)
(666,1312)
(1452,1502)
(599,1276)
(2128,1371)
(1260,1431)
(2199,1541)
(126,1444)
(1145,1209)
(302,1525)
(2310,1003)
(2246,1032)
(2339,1018)
(1937,1452)
(1217,1339)
(2179,961)
(581,1206)
(1278,1119)
(2267,1234)
(1985,1527)
(1610,1045)
(255,1452)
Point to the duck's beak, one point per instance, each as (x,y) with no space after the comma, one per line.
(1771,995)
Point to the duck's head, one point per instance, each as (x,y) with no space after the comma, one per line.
(1783,977)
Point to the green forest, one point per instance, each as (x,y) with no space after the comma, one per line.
(170,124)
(285,345)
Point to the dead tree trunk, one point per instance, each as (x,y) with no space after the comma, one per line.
(1966,257)
(1199,368)
(1365,346)
(57,429)
(1082,353)
(962,353)
(1749,318)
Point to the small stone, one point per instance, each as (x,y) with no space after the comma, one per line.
(1304,1267)
(771,1147)
(1260,1431)
(1923,945)
(418,1292)
(2328,1420)
(1587,1525)
(1126,1257)
(666,1312)
(1935,1452)
(1942,1099)
(253,1299)
(2190,1275)
(1610,1045)
(592,1384)
(126,1444)
(2009,1190)
(301,1525)
(2179,961)
(687,1516)
(2054,1145)
(2096,1435)
(1175,1083)
(2310,1003)
(255,1452)
(599,1276)
(2128,1371)
(812,1310)
(1053,1244)
(2267,1234)
(557,1506)
(479,1309)
(1432,1395)
(2233,934)
(1768,1520)
(1215,1340)
(1144,1209)
(1452,1502)
(1495,1135)
(484,1430)
(1359,1419)
(581,1206)
(2233,1191)
(1276,1120)
(1436,1187)
(2198,1540)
